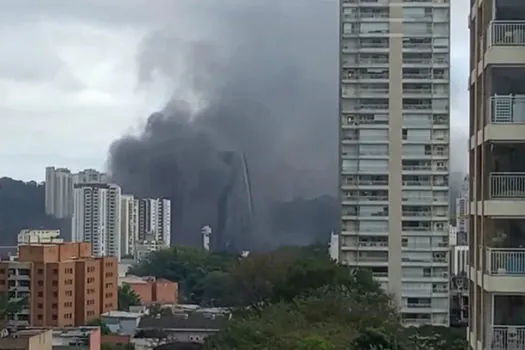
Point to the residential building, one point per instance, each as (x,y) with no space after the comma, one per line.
(497,175)
(122,322)
(333,246)
(90,176)
(77,338)
(394,150)
(59,188)
(27,339)
(97,217)
(154,218)
(129,225)
(152,290)
(58,192)
(188,327)
(144,247)
(39,236)
(462,204)
(65,285)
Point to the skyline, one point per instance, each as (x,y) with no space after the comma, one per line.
(87,69)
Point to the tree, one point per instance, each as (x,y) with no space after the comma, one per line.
(374,339)
(127,297)
(22,206)
(97,322)
(10,306)
(185,265)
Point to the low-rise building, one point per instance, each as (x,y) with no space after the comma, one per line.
(191,327)
(152,290)
(122,322)
(27,339)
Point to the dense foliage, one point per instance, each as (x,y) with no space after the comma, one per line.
(22,206)
(127,297)
(294,298)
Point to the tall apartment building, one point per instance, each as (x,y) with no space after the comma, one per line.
(64,284)
(129,225)
(394,149)
(97,217)
(59,188)
(154,218)
(58,192)
(497,175)
(462,207)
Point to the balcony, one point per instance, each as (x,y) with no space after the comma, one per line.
(507,338)
(505,262)
(506,119)
(507,185)
(506,33)
(505,43)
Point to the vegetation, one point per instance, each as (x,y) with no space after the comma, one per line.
(22,206)
(295,298)
(10,306)
(127,297)
(97,322)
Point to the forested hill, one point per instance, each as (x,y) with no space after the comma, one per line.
(22,205)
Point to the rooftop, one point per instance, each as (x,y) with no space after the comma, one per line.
(122,314)
(184,321)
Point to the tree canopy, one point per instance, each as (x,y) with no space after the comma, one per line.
(22,206)
(294,298)
(127,297)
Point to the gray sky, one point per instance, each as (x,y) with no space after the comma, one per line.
(69,76)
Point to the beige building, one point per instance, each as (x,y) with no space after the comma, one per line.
(39,236)
(394,149)
(30,339)
(497,175)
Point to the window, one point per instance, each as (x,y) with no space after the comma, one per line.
(40,294)
(416,28)
(373,134)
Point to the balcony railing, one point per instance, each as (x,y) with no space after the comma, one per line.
(507,109)
(508,338)
(506,33)
(507,185)
(505,262)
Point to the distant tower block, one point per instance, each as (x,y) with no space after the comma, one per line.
(206,234)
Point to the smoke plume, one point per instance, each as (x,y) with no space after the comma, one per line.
(265,77)
(255,77)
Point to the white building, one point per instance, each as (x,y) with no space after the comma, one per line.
(154,218)
(59,188)
(333,246)
(129,224)
(459,260)
(462,203)
(58,192)
(394,149)
(39,236)
(96,217)
(143,247)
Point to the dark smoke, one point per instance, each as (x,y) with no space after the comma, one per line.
(266,75)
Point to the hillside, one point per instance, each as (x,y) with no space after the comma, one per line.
(22,205)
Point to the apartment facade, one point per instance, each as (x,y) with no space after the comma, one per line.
(97,217)
(154,218)
(129,225)
(462,208)
(59,188)
(394,149)
(58,192)
(64,284)
(497,175)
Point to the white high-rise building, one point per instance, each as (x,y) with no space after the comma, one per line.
(97,217)
(59,192)
(154,218)
(394,149)
(59,188)
(462,210)
(129,224)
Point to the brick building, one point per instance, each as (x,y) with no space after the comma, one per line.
(65,285)
(153,290)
